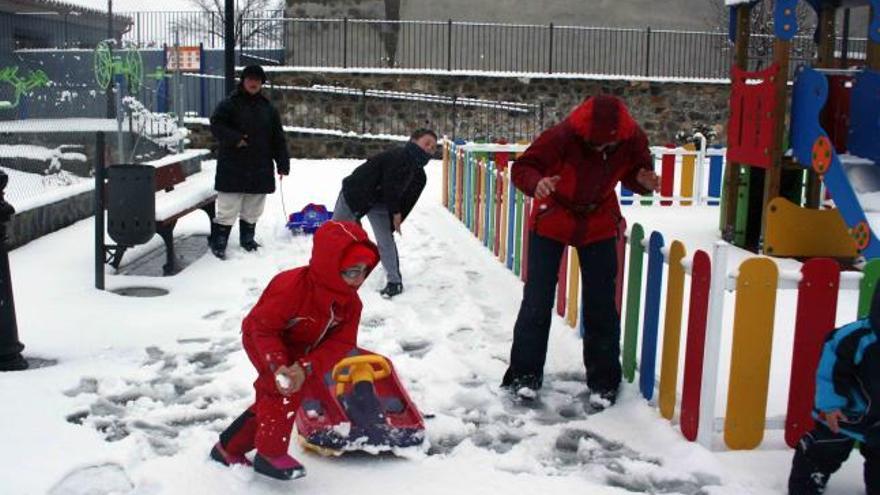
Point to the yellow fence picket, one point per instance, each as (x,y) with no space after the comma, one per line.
(672,330)
(750,358)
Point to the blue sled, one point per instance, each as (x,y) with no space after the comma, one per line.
(309,219)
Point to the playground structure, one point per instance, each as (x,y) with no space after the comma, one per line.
(478,191)
(21,85)
(775,200)
(108,65)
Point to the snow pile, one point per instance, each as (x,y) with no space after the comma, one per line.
(160,128)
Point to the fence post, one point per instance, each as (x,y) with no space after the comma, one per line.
(10,347)
(540,117)
(550,53)
(345,43)
(203,88)
(701,158)
(100,151)
(647,51)
(449,49)
(138,21)
(454,116)
(712,349)
(363,111)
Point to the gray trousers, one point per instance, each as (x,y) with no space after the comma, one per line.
(231,206)
(380,220)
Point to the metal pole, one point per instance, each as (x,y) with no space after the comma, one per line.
(179,86)
(10,347)
(550,53)
(229,46)
(345,43)
(844,48)
(110,110)
(100,149)
(363,111)
(449,50)
(120,139)
(454,116)
(647,52)
(203,89)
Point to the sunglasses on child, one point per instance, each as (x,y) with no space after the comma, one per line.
(354,272)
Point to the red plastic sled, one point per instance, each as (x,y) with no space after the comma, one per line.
(359,405)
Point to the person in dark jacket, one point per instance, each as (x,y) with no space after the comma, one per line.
(385,189)
(251,137)
(571,171)
(846,409)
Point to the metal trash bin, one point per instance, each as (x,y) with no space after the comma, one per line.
(131,204)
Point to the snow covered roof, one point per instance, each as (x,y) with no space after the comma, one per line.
(87,8)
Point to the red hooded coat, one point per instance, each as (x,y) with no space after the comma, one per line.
(584,209)
(308,312)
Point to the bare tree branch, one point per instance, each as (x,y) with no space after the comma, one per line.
(762,30)
(250,29)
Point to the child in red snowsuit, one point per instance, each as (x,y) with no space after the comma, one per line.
(306,319)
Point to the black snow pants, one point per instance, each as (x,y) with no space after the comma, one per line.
(601,344)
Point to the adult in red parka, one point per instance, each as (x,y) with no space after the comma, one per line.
(571,171)
(306,319)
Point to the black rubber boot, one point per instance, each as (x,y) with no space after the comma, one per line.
(218,239)
(391,290)
(246,233)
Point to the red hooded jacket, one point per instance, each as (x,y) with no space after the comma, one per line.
(307,312)
(584,209)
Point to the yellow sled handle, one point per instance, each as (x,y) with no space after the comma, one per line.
(360,369)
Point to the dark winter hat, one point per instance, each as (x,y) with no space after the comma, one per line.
(254,72)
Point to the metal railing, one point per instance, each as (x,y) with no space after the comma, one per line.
(531,48)
(423,45)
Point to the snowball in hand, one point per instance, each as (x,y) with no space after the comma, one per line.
(282,380)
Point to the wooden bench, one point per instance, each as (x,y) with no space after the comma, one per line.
(176,195)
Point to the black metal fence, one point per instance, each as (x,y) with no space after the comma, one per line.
(550,49)
(423,45)
(191,28)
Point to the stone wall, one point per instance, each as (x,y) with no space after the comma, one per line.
(662,108)
(307,145)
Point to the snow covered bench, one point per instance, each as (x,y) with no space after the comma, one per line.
(176,195)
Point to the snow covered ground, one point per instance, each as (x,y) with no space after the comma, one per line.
(143,386)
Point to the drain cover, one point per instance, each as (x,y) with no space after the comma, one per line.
(140,291)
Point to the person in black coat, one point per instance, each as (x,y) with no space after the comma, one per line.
(251,137)
(385,189)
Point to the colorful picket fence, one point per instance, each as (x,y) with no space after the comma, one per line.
(478,191)
(689,176)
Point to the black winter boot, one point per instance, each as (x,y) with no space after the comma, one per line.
(391,290)
(246,236)
(218,239)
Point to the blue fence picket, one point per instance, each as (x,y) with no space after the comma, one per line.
(651,318)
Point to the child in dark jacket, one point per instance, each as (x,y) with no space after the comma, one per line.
(306,319)
(847,408)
